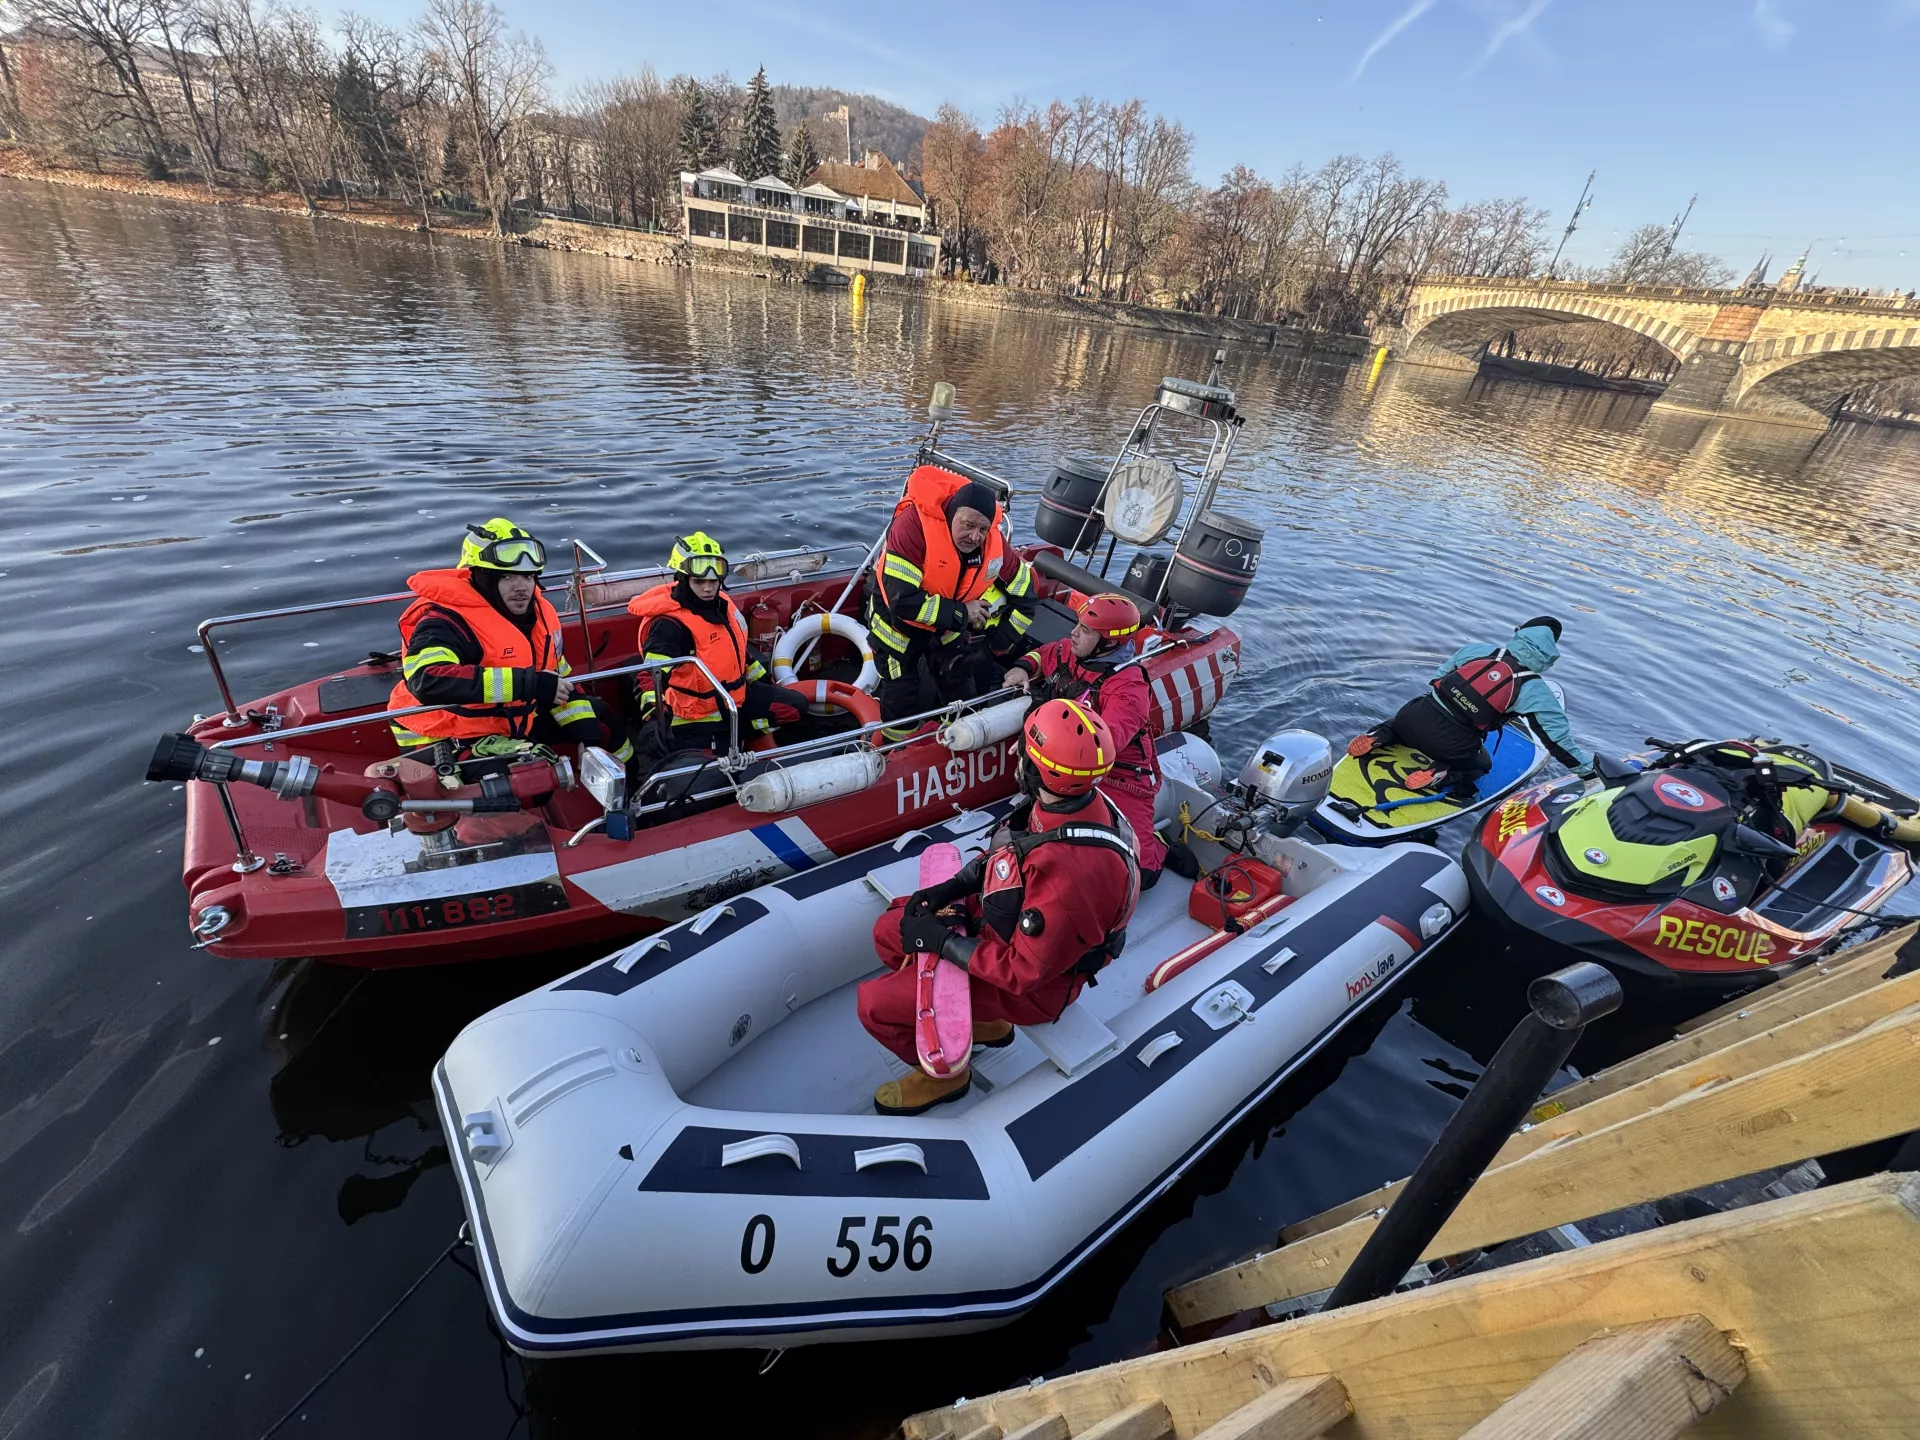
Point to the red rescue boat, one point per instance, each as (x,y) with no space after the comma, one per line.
(308,834)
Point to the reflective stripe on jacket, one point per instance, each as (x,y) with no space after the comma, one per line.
(920,579)
(721,648)
(504,693)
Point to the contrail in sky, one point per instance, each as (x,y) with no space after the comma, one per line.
(1385,38)
(1510,28)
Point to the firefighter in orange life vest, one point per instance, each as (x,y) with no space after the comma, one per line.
(483,643)
(1093,665)
(1050,900)
(694,616)
(1480,689)
(945,586)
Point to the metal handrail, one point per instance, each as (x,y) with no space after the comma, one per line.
(206,627)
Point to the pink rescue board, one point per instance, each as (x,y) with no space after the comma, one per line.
(943,1005)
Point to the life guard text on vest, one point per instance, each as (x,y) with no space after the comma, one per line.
(960,774)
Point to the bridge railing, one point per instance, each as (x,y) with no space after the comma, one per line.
(1764,295)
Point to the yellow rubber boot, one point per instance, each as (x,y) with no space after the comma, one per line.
(992,1034)
(915,1093)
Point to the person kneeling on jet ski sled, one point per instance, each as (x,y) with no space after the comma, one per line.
(694,616)
(1094,665)
(1480,689)
(949,594)
(483,643)
(1050,898)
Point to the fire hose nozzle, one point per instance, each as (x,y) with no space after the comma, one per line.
(180,757)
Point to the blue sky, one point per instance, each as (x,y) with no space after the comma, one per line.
(1792,119)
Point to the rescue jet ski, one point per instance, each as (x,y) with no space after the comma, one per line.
(308,834)
(1369,800)
(676,1147)
(1705,866)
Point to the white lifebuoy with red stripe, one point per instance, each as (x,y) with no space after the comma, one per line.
(812,627)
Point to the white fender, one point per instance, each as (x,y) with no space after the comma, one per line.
(984,727)
(809,783)
(810,627)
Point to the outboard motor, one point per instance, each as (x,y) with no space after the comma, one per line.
(1288,773)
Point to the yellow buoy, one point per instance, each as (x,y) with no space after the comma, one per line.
(860,286)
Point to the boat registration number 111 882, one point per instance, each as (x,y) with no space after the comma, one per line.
(491,907)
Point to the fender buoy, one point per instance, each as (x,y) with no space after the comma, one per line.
(826,622)
(837,693)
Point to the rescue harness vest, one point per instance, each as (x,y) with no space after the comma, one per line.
(721,648)
(1137,756)
(942,572)
(504,648)
(1003,888)
(1481,693)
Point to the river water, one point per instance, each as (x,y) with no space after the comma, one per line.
(219,1175)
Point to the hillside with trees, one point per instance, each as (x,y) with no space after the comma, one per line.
(456,110)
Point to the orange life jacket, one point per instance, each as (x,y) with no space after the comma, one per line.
(942,572)
(721,648)
(503,645)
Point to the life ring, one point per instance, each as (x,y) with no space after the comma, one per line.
(840,695)
(826,622)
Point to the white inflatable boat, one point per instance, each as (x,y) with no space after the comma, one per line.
(676,1147)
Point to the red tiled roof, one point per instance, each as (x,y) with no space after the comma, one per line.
(883,183)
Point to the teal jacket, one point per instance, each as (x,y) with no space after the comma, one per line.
(1535,650)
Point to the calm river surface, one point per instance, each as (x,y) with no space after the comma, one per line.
(218,1174)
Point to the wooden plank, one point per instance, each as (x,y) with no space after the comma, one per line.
(1667,1071)
(1875,955)
(1047,1427)
(992,1432)
(1298,1409)
(1644,1382)
(1822,1290)
(1143,1420)
(1828,985)
(1865,1087)
(1799,1036)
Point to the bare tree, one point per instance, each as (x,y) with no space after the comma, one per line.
(1648,257)
(252,51)
(953,157)
(494,80)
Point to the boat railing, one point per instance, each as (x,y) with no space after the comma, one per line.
(608,588)
(234,720)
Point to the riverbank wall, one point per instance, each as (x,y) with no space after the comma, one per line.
(622,243)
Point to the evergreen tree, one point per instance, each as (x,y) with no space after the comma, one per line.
(759,152)
(802,158)
(699,135)
(453,163)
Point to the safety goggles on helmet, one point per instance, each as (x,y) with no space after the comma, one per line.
(698,556)
(520,552)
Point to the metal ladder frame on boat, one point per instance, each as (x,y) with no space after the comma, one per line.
(1196,402)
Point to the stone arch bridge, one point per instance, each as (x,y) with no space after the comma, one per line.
(1760,354)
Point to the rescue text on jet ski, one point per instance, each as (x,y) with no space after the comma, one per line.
(308,835)
(1709,865)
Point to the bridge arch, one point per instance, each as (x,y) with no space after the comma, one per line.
(1462,323)
(1798,374)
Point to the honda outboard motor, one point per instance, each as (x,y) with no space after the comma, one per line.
(1289,773)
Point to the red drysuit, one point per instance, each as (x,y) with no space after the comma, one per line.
(1125,702)
(1084,894)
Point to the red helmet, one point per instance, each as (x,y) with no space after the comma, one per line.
(1069,745)
(1111,616)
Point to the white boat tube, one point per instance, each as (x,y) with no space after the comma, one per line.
(795,786)
(675,1147)
(984,727)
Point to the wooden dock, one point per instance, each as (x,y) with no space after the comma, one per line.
(1796,1317)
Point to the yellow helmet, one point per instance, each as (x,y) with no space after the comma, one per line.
(698,555)
(502,545)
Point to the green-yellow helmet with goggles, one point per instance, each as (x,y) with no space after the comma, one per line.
(502,545)
(699,556)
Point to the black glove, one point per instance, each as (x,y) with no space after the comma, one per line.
(924,931)
(947,892)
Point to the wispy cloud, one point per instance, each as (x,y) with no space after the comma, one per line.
(1508,29)
(839,35)
(1386,37)
(1775,29)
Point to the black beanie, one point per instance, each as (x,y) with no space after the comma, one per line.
(1546,620)
(973,496)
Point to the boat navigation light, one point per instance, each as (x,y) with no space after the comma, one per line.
(940,408)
